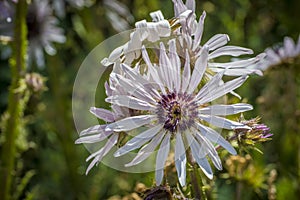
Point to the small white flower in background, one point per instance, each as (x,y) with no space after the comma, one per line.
(280,54)
(6,18)
(118,14)
(60,6)
(42,31)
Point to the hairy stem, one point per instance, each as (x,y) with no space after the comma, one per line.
(15,101)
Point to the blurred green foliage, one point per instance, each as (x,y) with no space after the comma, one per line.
(50,166)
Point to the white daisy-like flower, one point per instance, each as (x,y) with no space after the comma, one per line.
(42,31)
(168,102)
(282,54)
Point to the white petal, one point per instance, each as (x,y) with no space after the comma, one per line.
(93,138)
(238,71)
(157,30)
(205,167)
(153,71)
(138,140)
(130,102)
(230,51)
(225,109)
(215,137)
(108,90)
(179,7)
(210,149)
(213,83)
(199,31)
(272,56)
(163,28)
(157,16)
(199,155)
(165,67)
(130,123)
(103,114)
(115,54)
(135,89)
(190,4)
(93,129)
(180,160)
(289,47)
(239,63)
(175,62)
(196,147)
(161,158)
(147,150)
(199,69)
(102,152)
(217,41)
(134,75)
(222,122)
(223,89)
(186,73)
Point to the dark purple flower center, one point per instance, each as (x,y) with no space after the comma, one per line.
(176,111)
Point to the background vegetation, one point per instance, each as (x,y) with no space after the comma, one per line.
(48,165)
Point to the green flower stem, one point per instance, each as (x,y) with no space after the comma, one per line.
(64,125)
(15,101)
(196,182)
(239,190)
(297,113)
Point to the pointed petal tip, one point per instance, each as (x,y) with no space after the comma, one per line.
(108,129)
(233,152)
(182,181)
(128,165)
(259,72)
(208,175)
(227,37)
(78,141)
(117,154)
(92,109)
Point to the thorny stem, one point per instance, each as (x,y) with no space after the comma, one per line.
(15,101)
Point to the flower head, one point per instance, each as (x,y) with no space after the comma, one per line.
(188,32)
(172,107)
(190,36)
(281,54)
(6,18)
(257,134)
(167,95)
(42,31)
